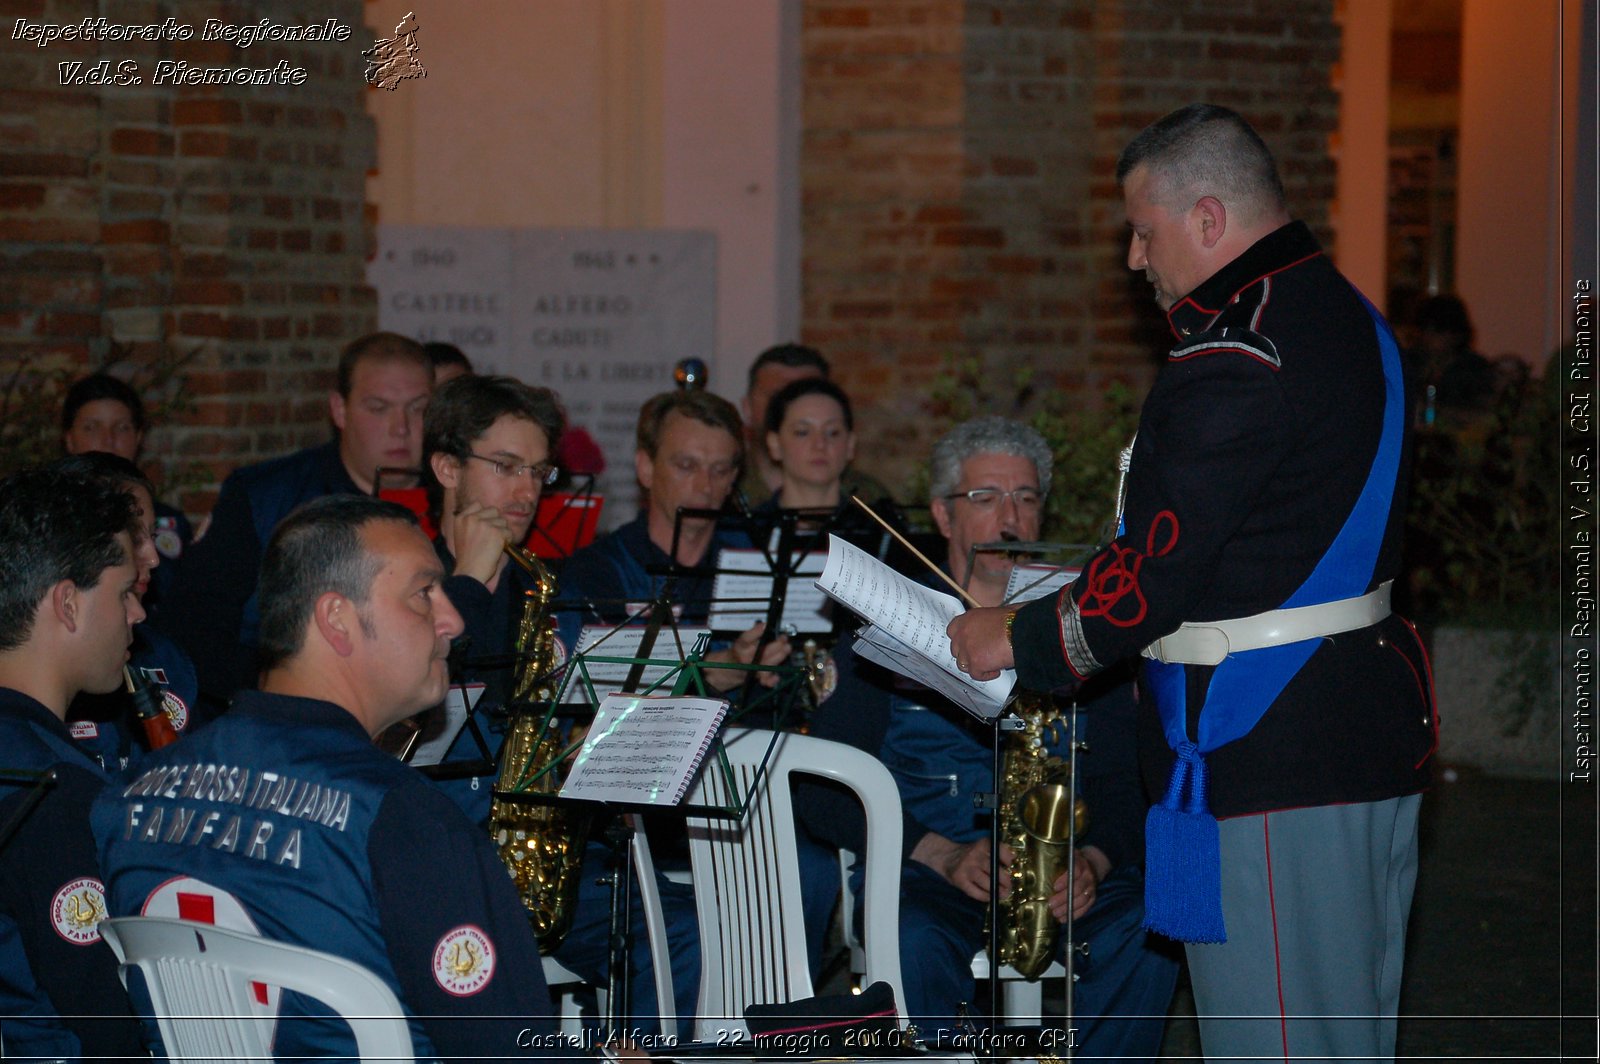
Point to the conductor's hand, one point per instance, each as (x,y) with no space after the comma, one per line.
(743,651)
(1087,871)
(978,640)
(477,536)
(964,864)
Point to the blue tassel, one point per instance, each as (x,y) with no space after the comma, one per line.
(1183,870)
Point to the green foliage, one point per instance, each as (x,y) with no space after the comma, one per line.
(1484,516)
(32,392)
(1085,443)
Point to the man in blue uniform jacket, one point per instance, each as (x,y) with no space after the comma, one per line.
(383,385)
(282,818)
(1290,710)
(688,454)
(988,481)
(67,610)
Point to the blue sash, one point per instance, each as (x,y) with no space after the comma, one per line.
(1183,884)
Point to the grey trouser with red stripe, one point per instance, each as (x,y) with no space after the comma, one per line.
(1316,903)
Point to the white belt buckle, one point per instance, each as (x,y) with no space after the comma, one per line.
(1201,645)
(1209,646)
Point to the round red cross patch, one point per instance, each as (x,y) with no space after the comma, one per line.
(463,961)
(77,909)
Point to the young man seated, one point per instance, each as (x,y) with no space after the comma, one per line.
(68,604)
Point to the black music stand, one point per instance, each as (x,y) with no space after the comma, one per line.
(680,673)
(1072,556)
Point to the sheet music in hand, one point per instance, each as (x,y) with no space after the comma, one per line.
(644,749)
(907,629)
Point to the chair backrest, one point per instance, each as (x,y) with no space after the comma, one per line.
(747,876)
(199,979)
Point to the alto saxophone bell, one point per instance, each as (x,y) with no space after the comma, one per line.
(1039,816)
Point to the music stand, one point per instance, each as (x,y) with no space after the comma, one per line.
(566,520)
(1073,555)
(681,674)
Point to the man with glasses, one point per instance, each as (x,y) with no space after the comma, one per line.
(988,482)
(487,442)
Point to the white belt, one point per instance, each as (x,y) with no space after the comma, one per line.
(1208,642)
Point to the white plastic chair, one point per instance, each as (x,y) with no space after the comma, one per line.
(198,977)
(747,877)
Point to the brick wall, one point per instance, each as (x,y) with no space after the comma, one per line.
(227,220)
(957,174)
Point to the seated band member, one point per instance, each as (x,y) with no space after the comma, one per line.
(383,384)
(67,610)
(989,479)
(487,448)
(104,725)
(105,413)
(774,368)
(298,828)
(811,437)
(688,456)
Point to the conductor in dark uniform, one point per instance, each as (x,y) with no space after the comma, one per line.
(1290,711)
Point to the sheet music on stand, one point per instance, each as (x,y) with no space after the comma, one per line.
(644,749)
(906,633)
(1031,578)
(609,652)
(440,730)
(1029,581)
(744,589)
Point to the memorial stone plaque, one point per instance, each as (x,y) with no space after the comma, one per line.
(599,315)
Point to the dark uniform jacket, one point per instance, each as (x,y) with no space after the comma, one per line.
(211,610)
(483,654)
(282,818)
(618,574)
(60,997)
(105,727)
(1268,472)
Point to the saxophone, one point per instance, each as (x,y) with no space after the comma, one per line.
(1039,815)
(541,843)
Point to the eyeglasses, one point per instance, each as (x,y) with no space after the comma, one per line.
(539,472)
(1028,500)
